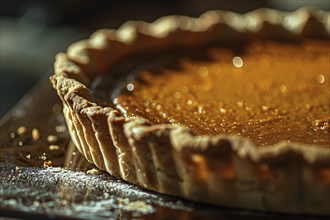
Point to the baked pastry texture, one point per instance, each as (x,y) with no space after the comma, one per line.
(225,170)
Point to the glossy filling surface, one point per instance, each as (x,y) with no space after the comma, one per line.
(267,91)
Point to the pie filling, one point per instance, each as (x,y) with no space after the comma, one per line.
(266,91)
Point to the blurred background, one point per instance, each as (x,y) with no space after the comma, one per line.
(32,32)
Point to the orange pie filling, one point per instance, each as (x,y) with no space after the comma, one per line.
(266,91)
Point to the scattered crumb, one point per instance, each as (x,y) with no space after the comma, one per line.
(60,128)
(36,203)
(12,135)
(54,147)
(43,157)
(138,206)
(20,143)
(28,156)
(64,202)
(93,171)
(17,168)
(21,130)
(47,164)
(74,153)
(35,134)
(55,169)
(52,139)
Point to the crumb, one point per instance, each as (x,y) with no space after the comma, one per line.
(20,143)
(56,169)
(43,157)
(54,147)
(138,206)
(93,171)
(21,130)
(28,156)
(17,168)
(35,134)
(47,164)
(36,203)
(12,135)
(60,128)
(52,139)
(74,153)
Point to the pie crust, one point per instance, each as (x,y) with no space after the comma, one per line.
(224,170)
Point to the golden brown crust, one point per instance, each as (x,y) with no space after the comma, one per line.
(223,170)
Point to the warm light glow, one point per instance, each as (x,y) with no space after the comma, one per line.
(238,62)
(203,71)
(320,78)
(283,88)
(130,87)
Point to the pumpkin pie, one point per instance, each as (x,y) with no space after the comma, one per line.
(226,109)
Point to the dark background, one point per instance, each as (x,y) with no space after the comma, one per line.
(32,32)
